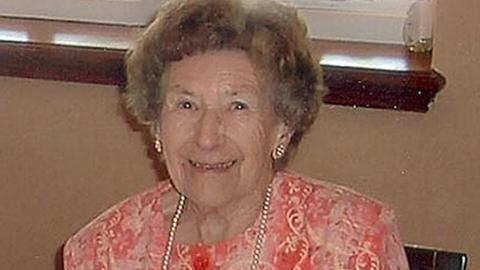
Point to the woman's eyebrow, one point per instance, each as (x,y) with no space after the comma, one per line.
(242,88)
(179,90)
(241,93)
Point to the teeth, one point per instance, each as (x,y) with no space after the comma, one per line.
(212,166)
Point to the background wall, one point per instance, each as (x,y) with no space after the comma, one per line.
(427,166)
(66,154)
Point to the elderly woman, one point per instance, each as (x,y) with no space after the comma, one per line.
(228,89)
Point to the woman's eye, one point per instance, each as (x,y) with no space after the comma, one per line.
(187,105)
(239,106)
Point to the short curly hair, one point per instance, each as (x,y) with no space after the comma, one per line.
(271,34)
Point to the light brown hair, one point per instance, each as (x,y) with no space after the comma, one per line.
(272,35)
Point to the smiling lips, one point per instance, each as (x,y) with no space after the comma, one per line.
(212,166)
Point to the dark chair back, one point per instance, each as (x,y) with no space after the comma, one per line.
(422,258)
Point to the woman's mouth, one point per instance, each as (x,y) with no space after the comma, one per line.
(212,166)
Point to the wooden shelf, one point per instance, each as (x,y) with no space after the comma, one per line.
(357,74)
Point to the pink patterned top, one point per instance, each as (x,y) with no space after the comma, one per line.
(312,225)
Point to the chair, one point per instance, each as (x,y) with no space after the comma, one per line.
(423,258)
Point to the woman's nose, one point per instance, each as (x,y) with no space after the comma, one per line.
(209,129)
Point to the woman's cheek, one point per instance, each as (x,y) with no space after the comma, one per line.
(250,133)
(177,121)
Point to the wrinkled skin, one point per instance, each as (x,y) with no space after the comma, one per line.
(218,128)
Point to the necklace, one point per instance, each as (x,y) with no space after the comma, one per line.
(258,243)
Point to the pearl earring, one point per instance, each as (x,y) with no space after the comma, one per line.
(158,145)
(279,152)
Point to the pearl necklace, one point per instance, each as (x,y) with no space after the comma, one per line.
(258,243)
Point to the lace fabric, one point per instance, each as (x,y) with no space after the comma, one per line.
(312,225)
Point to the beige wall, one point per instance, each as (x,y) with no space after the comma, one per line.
(427,166)
(66,154)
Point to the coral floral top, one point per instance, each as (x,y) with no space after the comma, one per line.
(311,225)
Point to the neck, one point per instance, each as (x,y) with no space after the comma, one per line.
(210,224)
(258,243)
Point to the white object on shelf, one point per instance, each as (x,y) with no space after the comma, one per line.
(354,20)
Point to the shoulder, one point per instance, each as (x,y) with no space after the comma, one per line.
(123,220)
(125,211)
(350,226)
(333,200)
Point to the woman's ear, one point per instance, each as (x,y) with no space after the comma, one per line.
(284,134)
(155,130)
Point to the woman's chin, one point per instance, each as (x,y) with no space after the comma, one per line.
(212,197)
(209,186)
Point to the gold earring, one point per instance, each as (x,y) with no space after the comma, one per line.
(279,152)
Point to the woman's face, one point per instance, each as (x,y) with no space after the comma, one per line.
(218,128)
